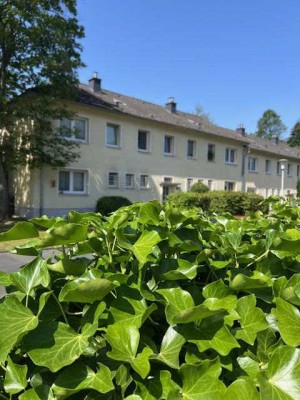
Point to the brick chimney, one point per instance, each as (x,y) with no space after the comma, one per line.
(241,130)
(171,105)
(95,83)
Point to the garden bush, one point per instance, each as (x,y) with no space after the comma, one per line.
(220,201)
(199,187)
(154,303)
(108,204)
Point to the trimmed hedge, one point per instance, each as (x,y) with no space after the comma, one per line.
(108,204)
(220,201)
(199,187)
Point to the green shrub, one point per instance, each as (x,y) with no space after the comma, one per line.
(298,188)
(108,204)
(154,303)
(199,187)
(220,201)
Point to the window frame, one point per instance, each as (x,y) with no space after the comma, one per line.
(132,180)
(189,183)
(73,138)
(86,177)
(213,159)
(289,169)
(268,171)
(172,153)
(118,180)
(194,148)
(142,187)
(231,149)
(118,126)
(147,150)
(250,160)
(231,183)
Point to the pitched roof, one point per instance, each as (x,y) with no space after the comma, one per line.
(120,103)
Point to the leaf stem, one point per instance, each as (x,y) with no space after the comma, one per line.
(61,309)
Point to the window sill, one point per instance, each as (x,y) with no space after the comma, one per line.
(191,158)
(229,163)
(144,151)
(169,155)
(144,188)
(73,139)
(112,146)
(212,161)
(62,193)
(253,172)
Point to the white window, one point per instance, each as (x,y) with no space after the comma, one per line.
(210,184)
(113,179)
(268,167)
(229,186)
(144,181)
(191,149)
(252,164)
(251,190)
(189,183)
(289,169)
(211,150)
(230,156)
(143,140)
(72,181)
(169,145)
(74,129)
(278,167)
(129,181)
(113,136)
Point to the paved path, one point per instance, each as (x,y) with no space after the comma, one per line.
(12,262)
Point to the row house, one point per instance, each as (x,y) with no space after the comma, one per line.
(144,151)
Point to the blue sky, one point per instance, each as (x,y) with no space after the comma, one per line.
(236,58)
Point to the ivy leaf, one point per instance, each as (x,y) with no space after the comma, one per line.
(200,382)
(123,378)
(15,377)
(21,230)
(124,340)
(30,276)
(85,291)
(252,319)
(177,300)
(54,345)
(281,380)
(217,289)
(257,280)
(288,317)
(149,213)
(5,279)
(176,269)
(79,377)
(160,386)
(15,321)
(64,235)
(170,348)
(242,389)
(68,266)
(144,245)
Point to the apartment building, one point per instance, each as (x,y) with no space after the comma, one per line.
(144,151)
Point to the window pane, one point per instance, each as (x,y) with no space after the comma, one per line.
(190,148)
(129,180)
(142,140)
(64,181)
(78,181)
(168,146)
(112,135)
(211,152)
(232,156)
(113,179)
(65,125)
(144,181)
(79,125)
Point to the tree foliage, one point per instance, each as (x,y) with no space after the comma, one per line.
(270,125)
(200,112)
(294,138)
(39,56)
(154,303)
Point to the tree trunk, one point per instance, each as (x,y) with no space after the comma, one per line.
(4,195)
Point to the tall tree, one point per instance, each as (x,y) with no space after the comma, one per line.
(200,112)
(39,57)
(270,125)
(294,138)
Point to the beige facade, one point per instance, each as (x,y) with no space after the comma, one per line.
(142,159)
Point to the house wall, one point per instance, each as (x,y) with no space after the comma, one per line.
(97,160)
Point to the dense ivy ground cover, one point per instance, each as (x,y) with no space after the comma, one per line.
(154,303)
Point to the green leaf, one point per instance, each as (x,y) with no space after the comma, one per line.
(123,378)
(250,366)
(200,382)
(15,321)
(15,377)
(124,340)
(256,281)
(79,377)
(159,386)
(252,319)
(170,348)
(144,245)
(242,389)
(217,289)
(68,266)
(288,317)
(149,213)
(281,380)
(85,291)
(176,269)
(30,276)
(21,230)
(90,319)
(177,300)
(5,279)
(67,234)
(54,345)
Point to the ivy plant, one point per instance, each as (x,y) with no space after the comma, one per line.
(154,302)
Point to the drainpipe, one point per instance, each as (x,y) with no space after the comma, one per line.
(245,152)
(41,210)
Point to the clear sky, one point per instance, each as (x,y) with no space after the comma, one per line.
(236,58)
